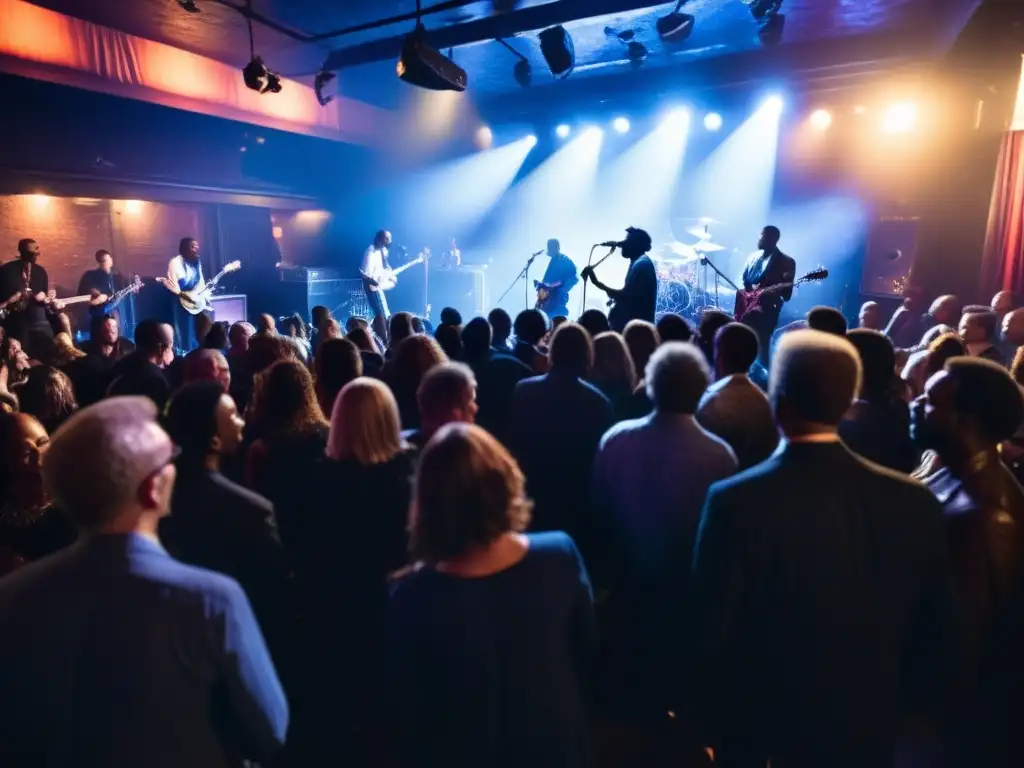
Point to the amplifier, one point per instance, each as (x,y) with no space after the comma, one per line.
(305,274)
(301,297)
(230,307)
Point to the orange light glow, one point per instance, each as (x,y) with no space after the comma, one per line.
(133,207)
(1018,114)
(278,233)
(40,202)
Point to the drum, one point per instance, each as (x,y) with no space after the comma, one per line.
(674,297)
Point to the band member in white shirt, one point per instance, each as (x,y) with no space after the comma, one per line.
(375,271)
(186,271)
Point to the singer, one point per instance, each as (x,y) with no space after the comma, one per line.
(559,278)
(636,299)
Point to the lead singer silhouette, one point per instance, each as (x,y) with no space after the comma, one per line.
(636,299)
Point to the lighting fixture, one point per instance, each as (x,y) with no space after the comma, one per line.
(521,71)
(770,31)
(712,121)
(188,5)
(484,137)
(678,117)
(558,51)
(422,65)
(531,140)
(773,105)
(620,125)
(563,131)
(821,119)
(260,79)
(322,78)
(636,52)
(675,27)
(762,9)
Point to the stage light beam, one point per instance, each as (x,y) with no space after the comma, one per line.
(712,121)
(900,118)
(773,105)
(621,125)
(484,137)
(563,131)
(531,141)
(821,119)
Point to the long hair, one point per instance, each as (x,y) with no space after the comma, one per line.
(364,423)
(284,401)
(413,358)
(612,361)
(641,339)
(469,492)
(48,395)
(337,362)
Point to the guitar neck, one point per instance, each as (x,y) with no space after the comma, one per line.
(75,299)
(401,269)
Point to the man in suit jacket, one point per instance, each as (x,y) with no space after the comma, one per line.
(113,653)
(822,599)
(767,266)
(555,423)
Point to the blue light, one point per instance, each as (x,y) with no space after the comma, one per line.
(773,104)
(621,125)
(712,121)
(563,131)
(677,118)
(531,140)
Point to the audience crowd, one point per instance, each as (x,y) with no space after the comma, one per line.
(527,542)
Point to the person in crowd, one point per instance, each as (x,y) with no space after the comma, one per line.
(1003,302)
(239,336)
(945,310)
(1013,329)
(877,426)
(649,482)
(289,430)
(446,394)
(710,321)
(215,523)
(421,325)
(979,328)
(967,410)
(451,316)
(413,358)
(849,572)
(399,328)
(595,322)
(14,359)
(266,325)
(31,527)
(264,351)
(908,323)
(827,320)
(501,330)
(496,374)
(373,360)
(490,636)
(320,317)
(530,328)
(614,372)
(207,365)
(673,327)
(941,343)
(295,332)
(555,424)
(641,339)
(105,339)
(48,395)
(114,630)
(143,371)
(64,351)
(734,408)
(1017,367)
(449,337)
(217,337)
(870,316)
(337,363)
(351,535)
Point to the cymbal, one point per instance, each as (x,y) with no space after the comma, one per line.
(708,247)
(701,219)
(674,252)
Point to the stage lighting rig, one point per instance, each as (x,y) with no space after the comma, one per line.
(521,71)
(558,51)
(422,65)
(260,79)
(676,26)
(770,21)
(762,9)
(189,6)
(323,77)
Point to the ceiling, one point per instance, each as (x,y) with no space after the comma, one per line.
(723,28)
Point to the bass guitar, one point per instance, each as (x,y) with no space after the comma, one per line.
(194,301)
(748,301)
(390,278)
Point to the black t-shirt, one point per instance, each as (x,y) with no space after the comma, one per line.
(12,280)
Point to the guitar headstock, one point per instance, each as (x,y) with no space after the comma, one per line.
(136,284)
(232,266)
(815,276)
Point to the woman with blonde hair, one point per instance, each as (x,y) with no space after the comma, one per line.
(491,634)
(352,537)
(613,372)
(414,356)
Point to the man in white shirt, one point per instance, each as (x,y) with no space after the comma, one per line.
(375,271)
(186,272)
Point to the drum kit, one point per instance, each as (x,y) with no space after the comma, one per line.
(686,283)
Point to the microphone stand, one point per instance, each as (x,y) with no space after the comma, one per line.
(590,258)
(706,262)
(525,274)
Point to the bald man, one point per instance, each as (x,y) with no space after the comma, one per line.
(871,316)
(137,659)
(207,365)
(852,564)
(1002,303)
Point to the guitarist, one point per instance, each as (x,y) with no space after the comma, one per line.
(637,298)
(559,278)
(374,271)
(766,267)
(186,271)
(102,283)
(24,285)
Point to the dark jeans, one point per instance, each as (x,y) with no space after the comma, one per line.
(763,324)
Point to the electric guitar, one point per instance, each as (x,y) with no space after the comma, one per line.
(117,297)
(390,277)
(194,301)
(747,301)
(545,291)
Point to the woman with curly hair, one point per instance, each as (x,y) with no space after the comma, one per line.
(289,427)
(490,634)
(48,395)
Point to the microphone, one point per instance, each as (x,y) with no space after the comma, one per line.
(610,244)
(538,253)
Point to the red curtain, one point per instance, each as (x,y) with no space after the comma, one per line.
(1003,259)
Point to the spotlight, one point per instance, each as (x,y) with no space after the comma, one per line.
(621,125)
(821,119)
(188,5)
(770,31)
(40,201)
(531,140)
(258,78)
(900,118)
(424,66)
(678,117)
(133,207)
(636,52)
(322,78)
(557,49)
(773,105)
(484,137)
(712,121)
(675,27)
(523,73)
(593,133)
(563,131)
